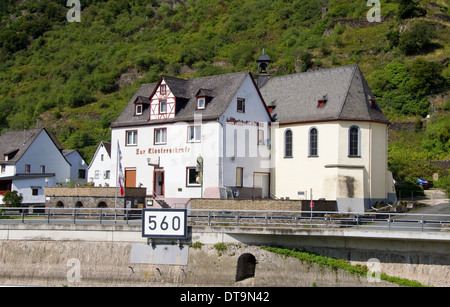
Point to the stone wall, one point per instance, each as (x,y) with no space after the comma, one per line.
(263,204)
(65,197)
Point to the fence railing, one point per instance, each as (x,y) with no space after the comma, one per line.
(238,218)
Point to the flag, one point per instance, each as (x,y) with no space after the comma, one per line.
(121,179)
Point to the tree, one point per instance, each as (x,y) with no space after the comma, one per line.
(417,39)
(12,199)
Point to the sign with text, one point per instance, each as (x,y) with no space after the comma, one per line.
(164,223)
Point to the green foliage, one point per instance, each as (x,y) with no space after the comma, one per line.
(409,9)
(338,264)
(418,39)
(12,199)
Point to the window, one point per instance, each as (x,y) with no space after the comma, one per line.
(163,89)
(191,177)
(106,174)
(241,105)
(288,143)
(3,168)
(42,169)
(139,109)
(260,137)
(102,156)
(239,176)
(194,134)
(313,142)
(163,106)
(81,174)
(27,168)
(353,142)
(201,103)
(160,136)
(131,138)
(34,191)
(97,174)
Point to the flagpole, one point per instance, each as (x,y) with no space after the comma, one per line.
(117,175)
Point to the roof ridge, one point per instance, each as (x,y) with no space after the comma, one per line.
(355,68)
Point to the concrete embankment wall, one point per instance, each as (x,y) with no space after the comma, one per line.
(72,263)
(102,255)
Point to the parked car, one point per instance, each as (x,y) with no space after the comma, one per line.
(426,184)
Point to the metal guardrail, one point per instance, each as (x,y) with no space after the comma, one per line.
(239,218)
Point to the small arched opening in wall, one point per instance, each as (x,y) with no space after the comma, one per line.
(59,204)
(78,204)
(102,204)
(246,267)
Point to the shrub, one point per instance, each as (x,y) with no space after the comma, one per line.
(12,199)
(417,39)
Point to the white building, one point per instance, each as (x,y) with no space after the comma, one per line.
(329,138)
(99,170)
(32,160)
(165,127)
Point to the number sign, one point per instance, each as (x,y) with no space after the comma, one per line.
(164,223)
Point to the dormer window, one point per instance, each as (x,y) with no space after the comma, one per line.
(138,109)
(201,103)
(373,103)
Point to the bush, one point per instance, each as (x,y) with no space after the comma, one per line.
(12,199)
(417,39)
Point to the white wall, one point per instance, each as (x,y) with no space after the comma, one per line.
(44,152)
(240,131)
(77,163)
(333,174)
(101,167)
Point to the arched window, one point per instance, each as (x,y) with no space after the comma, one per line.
(288,143)
(313,142)
(59,204)
(102,204)
(246,267)
(354,149)
(78,204)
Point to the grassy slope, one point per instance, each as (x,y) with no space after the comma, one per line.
(187,39)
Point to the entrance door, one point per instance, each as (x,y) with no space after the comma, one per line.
(261,180)
(158,183)
(130,178)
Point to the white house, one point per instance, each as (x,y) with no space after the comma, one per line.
(167,126)
(329,138)
(99,170)
(31,160)
(78,166)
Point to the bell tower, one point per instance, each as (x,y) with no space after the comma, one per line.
(263,69)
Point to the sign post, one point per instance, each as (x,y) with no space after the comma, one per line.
(164,223)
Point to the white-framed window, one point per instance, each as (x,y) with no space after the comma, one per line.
(97,174)
(192,177)
(194,134)
(354,142)
(313,142)
(106,174)
(288,137)
(163,106)
(163,89)
(160,136)
(201,102)
(131,138)
(260,137)
(139,109)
